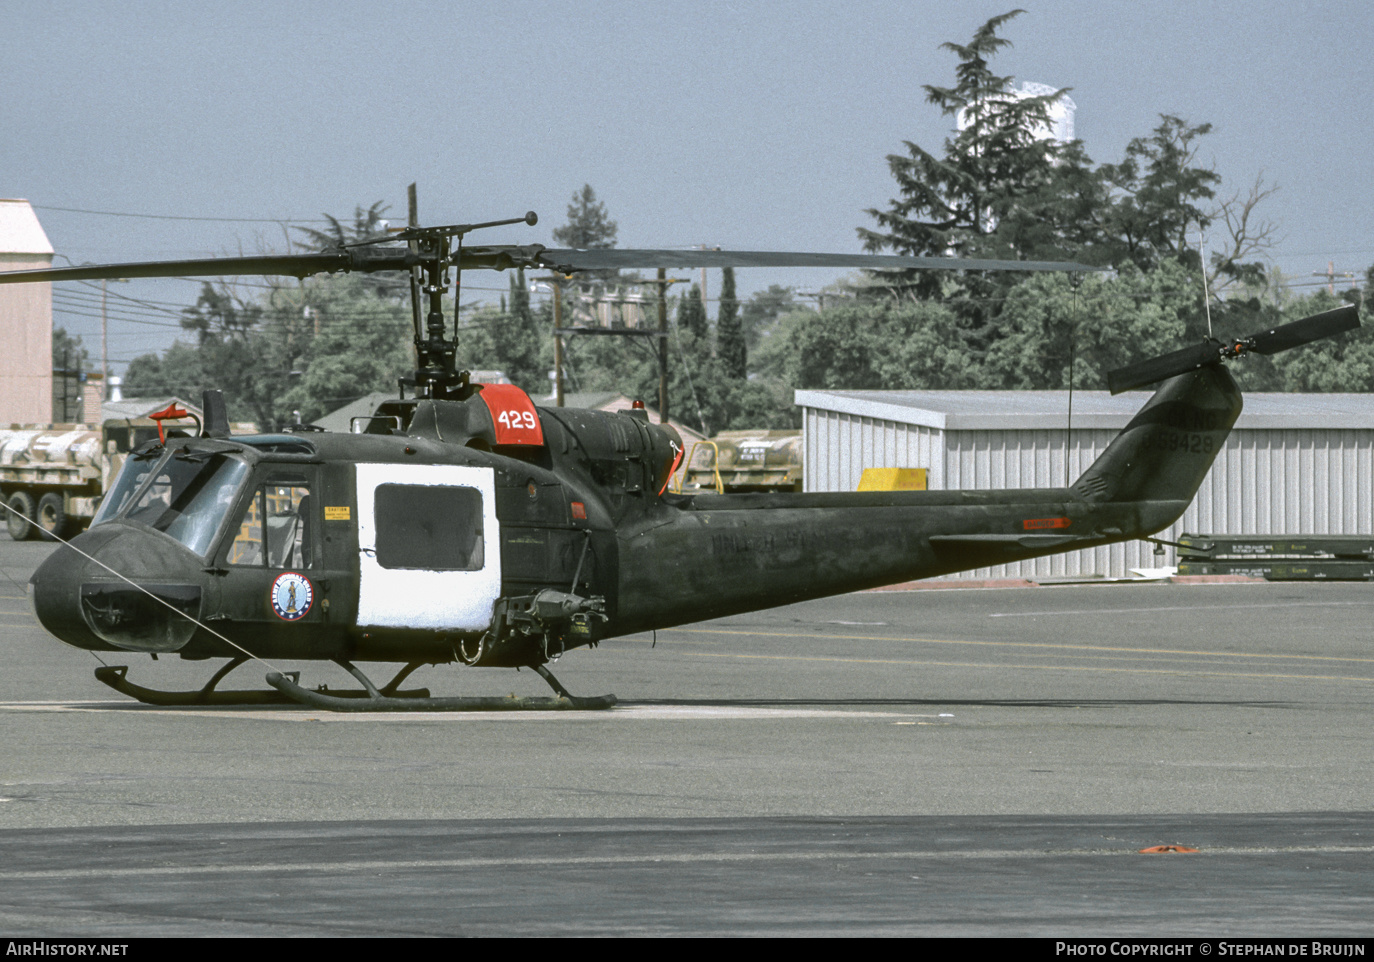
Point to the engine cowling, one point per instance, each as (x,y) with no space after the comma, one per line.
(623,451)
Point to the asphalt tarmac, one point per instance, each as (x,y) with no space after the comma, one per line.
(928,762)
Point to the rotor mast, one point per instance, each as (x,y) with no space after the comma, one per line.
(436,371)
(435,354)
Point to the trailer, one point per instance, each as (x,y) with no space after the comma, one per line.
(743,461)
(55,475)
(1284,557)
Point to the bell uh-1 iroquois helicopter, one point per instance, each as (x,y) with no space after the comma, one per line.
(467,524)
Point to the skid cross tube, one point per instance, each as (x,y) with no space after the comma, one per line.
(379,700)
(115,677)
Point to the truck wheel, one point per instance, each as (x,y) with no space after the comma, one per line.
(52,517)
(19,529)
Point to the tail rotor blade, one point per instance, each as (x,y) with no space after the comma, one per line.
(1165,366)
(1305,331)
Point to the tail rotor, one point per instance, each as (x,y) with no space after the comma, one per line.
(1282,338)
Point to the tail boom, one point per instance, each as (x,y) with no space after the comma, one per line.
(725,554)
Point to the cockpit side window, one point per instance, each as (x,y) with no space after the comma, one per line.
(275,530)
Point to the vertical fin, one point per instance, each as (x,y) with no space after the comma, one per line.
(1169,446)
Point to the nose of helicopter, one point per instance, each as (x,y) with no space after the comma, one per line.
(118,586)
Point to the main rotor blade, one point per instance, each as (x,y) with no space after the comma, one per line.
(367,260)
(296,265)
(1132,376)
(600,260)
(1305,331)
(370,259)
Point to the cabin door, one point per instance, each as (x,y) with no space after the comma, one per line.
(429,546)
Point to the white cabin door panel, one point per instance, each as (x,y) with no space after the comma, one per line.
(429,546)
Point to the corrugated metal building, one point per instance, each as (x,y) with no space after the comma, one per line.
(1295,463)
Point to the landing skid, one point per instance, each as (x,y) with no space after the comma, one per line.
(114,676)
(375,700)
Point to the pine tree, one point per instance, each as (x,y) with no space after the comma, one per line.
(730,345)
(519,295)
(1160,191)
(999,191)
(588,227)
(691,315)
(513,340)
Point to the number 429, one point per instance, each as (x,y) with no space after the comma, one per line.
(518,419)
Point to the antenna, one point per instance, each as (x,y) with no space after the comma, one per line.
(1073,351)
(1202,261)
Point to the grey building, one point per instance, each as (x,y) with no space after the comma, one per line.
(1295,463)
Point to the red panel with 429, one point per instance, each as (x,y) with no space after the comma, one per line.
(513,413)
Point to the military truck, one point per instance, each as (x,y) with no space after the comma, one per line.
(56,474)
(740,461)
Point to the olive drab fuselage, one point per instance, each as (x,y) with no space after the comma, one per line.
(445,534)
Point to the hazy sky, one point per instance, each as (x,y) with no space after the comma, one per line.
(746,125)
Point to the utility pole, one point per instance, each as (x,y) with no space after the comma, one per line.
(704,298)
(663,281)
(557,343)
(104,341)
(662,346)
(661,334)
(1332,275)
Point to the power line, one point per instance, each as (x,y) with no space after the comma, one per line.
(94,287)
(215,220)
(74,313)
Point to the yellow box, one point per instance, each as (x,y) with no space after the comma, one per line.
(333,513)
(893,479)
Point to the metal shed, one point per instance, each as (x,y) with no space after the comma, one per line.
(1295,463)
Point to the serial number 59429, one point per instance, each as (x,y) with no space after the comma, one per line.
(1183,441)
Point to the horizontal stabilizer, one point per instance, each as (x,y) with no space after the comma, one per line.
(1004,540)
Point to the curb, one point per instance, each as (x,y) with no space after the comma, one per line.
(953,583)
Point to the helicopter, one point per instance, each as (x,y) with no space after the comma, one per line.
(465,523)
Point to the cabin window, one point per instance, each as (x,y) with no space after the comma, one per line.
(275,530)
(429,527)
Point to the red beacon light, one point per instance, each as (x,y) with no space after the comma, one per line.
(171,413)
